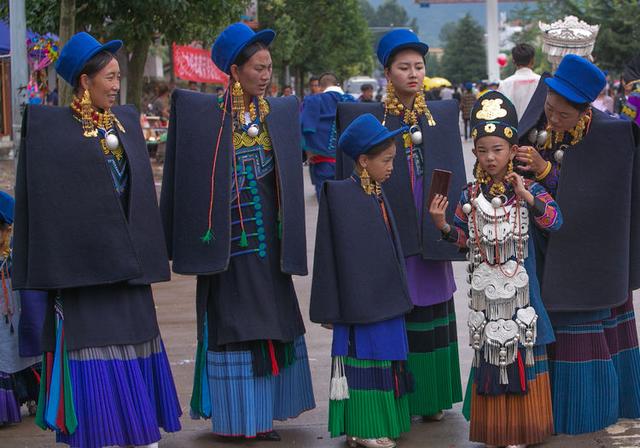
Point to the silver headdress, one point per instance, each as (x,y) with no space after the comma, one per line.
(567,36)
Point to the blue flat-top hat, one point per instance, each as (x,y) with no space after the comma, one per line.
(7,205)
(77,52)
(233,40)
(363,134)
(397,40)
(577,79)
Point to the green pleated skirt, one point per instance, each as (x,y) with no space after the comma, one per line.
(373,409)
(433,358)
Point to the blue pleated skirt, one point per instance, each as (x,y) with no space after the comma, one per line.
(244,405)
(595,372)
(122,395)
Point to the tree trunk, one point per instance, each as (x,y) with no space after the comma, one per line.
(135,75)
(67,29)
(299,88)
(172,75)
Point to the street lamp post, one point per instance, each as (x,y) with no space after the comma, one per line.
(19,76)
(493,34)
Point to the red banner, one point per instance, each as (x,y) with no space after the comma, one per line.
(195,64)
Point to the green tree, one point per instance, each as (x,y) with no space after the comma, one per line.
(392,14)
(324,36)
(138,23)
(367,11)
(67,25)
(464,57)
(433,66)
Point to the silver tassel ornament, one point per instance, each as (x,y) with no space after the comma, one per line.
(339,387)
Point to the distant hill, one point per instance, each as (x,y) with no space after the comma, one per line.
(431,19)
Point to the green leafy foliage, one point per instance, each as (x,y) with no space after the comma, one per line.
(464,57)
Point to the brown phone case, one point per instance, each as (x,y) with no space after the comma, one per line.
(440,181)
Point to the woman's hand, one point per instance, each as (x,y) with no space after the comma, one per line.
(530,160)
(438,211)
(521,191)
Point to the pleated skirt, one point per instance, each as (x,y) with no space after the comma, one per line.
(119,395)
(374,408)
(243,404)
(595,372)
(513,419)
(433,358)
(9,406)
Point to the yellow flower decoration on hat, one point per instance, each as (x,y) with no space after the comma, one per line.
(508,132)
(491,110)
(474,134)
(489,128)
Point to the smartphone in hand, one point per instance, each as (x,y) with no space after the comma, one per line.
(440,182)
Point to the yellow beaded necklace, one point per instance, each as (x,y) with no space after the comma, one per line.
(393,106)
(577,133)
(241,138)
(92,120)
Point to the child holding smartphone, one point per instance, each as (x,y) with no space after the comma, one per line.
(508,398)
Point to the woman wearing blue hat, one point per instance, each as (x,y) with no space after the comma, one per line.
(18,375)
(88,231)
(432,140)
(360,287)
(233,207)
(589,162)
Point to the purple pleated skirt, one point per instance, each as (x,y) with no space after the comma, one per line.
(9,407)
(122,395)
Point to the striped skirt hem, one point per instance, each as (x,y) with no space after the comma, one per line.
(433,358)
(243,404)
(513,419)
(119,395)
(595,372)
(373,409)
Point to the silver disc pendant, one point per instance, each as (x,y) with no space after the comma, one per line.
(466,208)
(533,136)
(541,138)
(253,130)
(416,134)
(558,155)
(112,141)
(496,202)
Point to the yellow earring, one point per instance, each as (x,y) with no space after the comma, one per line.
(510,167)
(392,103)
(481,175)
(87,115)
(578,131)
(391,91)
(5,242)
(365,181)
(237,101)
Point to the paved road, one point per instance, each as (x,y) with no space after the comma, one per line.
(176,314)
